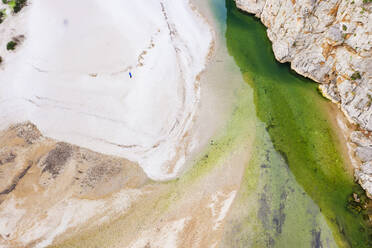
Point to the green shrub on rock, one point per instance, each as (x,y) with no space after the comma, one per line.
(16,5)
(19,4)
(11,45)
(356,75)
(2,16)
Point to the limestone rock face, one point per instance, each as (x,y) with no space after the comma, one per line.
(364,175)
(329,42)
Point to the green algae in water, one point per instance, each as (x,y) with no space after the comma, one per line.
(239,131)
(298,126)
(266,185)
(272,209)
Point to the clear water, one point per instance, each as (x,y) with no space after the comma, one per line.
(296,187)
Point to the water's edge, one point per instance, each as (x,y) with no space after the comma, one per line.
(277,150)
(299,127)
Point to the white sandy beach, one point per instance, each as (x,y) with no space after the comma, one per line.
(71,76)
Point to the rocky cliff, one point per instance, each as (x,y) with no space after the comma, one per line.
(331,43)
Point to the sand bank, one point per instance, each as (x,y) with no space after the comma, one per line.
(71,77)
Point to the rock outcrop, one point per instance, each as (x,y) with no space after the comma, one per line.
(331,43)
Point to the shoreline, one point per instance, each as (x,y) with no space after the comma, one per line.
(261,12)
(259,163)
(157,205)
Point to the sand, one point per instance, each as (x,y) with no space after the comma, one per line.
(71,77)
(81,92)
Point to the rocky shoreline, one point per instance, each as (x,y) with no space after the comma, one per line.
(331,43)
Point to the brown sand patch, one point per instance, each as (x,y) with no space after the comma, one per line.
(40,176)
